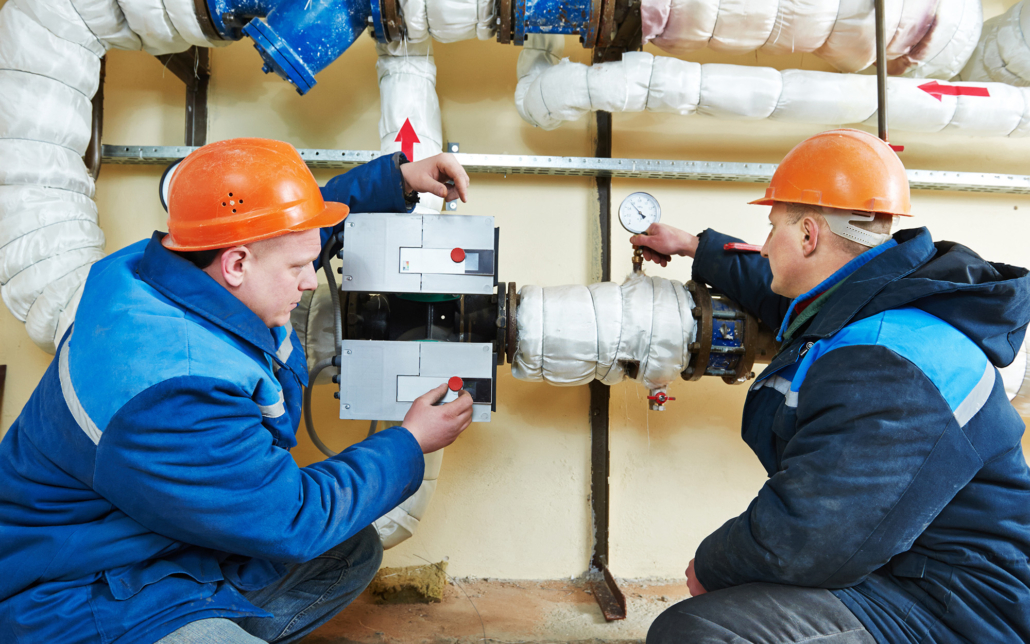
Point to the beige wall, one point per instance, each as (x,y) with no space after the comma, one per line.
(513,494)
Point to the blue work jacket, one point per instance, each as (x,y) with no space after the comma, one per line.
(148,479)
(896,475)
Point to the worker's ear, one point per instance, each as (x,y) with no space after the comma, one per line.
(233,263)
(809,235)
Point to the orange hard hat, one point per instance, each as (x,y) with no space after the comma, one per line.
(242,190)
(845,169)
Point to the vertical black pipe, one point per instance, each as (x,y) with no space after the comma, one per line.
(600,395)
(881,71)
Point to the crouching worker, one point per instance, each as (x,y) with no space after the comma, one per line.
(897,508)
(147,492)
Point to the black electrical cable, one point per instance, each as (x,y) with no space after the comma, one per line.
(327,253)
(328,362)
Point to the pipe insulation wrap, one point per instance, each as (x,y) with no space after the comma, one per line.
(1003,53)
(400,523)
(571,335)
(448,20)
(50,53)
(549,94)
(407,92)
(927,38)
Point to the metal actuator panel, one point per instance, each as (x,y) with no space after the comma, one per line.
(379,379)
(419,310)
(390,253)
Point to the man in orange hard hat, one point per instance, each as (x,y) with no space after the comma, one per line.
(147,492)
(896,509)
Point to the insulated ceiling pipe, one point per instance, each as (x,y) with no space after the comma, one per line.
(550,92)
(1003,53)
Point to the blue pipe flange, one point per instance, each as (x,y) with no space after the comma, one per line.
(299,38)
(727,338)
(229,17)
(387,21)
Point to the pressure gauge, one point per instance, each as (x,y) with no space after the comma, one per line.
(638,211)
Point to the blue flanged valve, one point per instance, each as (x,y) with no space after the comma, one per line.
(729,339)
(299,38)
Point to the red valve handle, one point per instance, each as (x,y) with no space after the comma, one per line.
(661,398)
(742,248)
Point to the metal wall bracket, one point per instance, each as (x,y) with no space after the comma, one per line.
(192,67)
(596,167)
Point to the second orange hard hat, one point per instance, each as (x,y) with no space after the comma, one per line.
(845,169)
(243,190)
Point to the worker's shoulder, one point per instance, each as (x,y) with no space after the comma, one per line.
(128,338)
(949,359)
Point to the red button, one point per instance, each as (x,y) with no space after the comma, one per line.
(457,255)
(455,384)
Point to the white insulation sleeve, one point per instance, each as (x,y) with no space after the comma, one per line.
(927,38)
(1003,53)
(400,523)
(407,92)
(550,95)
(570,335)
(449,20)
(50,53)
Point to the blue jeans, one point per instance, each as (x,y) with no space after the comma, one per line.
(307,597)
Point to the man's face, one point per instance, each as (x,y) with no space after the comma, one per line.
(783,248)
(277,273)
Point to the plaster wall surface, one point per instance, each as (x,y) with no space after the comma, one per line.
(513,496)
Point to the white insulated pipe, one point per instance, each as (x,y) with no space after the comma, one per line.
(925,38)
(407,93)
(549,94)
(570,335)
(1003,53)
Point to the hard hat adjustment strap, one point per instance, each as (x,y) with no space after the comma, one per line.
(839,222)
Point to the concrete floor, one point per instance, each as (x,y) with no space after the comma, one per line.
(503,612)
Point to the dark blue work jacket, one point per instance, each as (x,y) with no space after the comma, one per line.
(148,478)
(896,475)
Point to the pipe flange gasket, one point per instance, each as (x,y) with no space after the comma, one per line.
(699,358)
(511,323)
(606,26)
(393,20)
(207,26)
(519,21)
(590,34)
(504,13)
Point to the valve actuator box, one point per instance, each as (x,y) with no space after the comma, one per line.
(420,310)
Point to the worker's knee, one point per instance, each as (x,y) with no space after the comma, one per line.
(680,623)
(362,553)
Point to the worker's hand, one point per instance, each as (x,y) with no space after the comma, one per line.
(436,426)
(430,175)
(693,585)
(661,242)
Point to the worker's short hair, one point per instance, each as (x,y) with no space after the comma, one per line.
(200,258)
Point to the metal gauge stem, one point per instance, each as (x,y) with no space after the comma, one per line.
(638,211)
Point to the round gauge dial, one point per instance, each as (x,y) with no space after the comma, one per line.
(638,211)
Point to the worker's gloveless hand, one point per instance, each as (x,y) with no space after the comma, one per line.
(661,242)
(430,175)
(693,585)
(436,426)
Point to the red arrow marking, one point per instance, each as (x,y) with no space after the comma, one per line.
(936,90)
(408,139)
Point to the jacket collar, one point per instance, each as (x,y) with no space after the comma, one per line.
(194,290)
(907,251)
